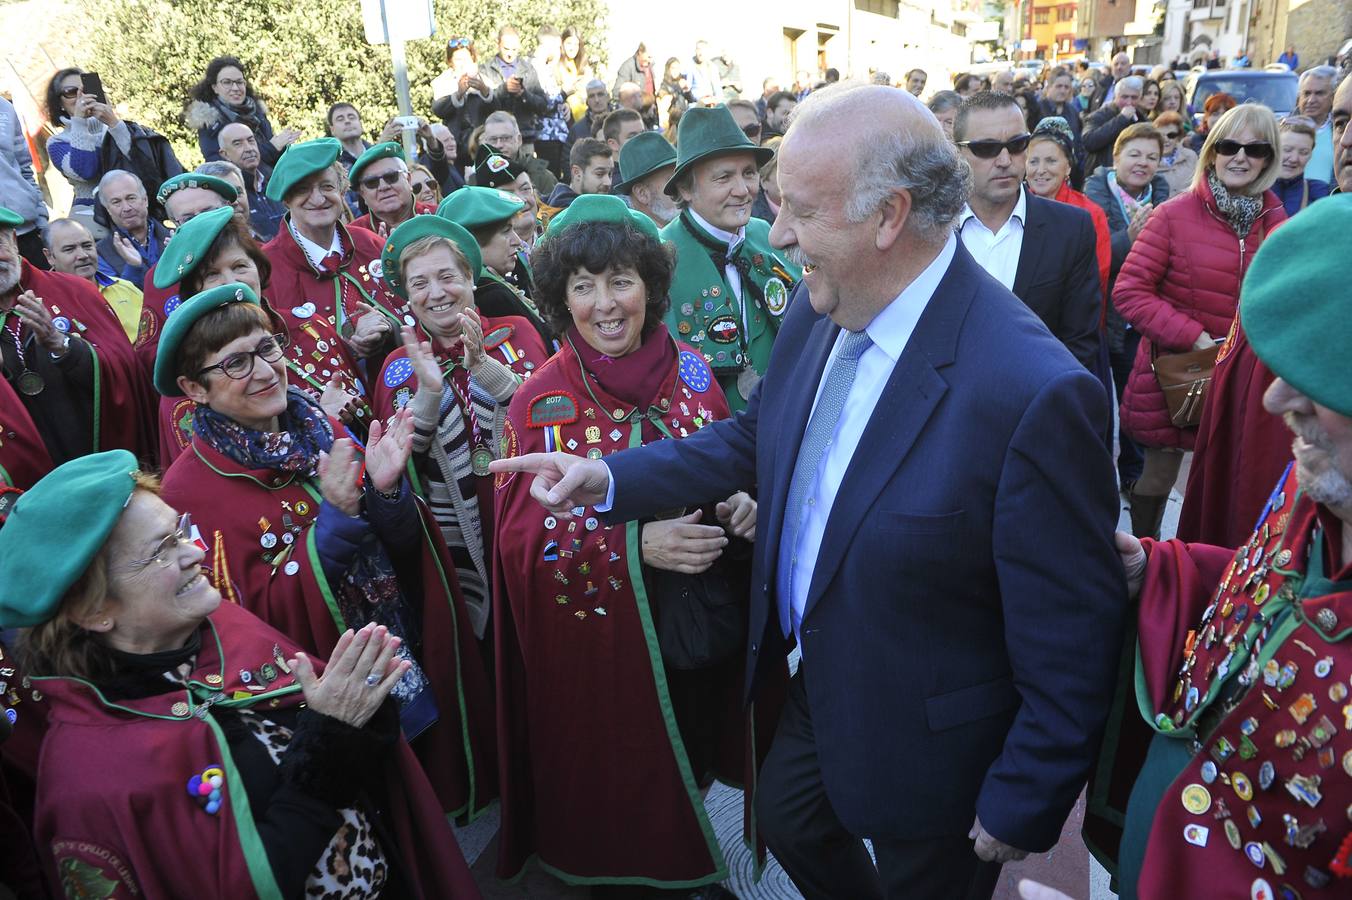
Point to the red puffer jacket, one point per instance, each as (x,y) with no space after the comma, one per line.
(1181,278)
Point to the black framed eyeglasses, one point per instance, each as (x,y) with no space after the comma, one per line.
(420,186)
(182,534)
(1255,150)
(991,149)
(230,82)
(239,366)
(371,182)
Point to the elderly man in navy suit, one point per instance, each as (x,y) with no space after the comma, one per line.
(936,532)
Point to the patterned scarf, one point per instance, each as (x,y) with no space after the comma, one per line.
(1241,211)
(303,432)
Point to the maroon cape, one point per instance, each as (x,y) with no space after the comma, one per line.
(1241,450)
(125,827)
(318,311)
(125,410)
(23,456)
(596,783)
(257,528)
(1272,810)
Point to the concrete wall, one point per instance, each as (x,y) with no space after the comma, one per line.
(1317,28)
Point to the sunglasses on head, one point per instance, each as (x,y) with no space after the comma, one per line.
(1256,150)
(457,43)
(371,182)
(991,149)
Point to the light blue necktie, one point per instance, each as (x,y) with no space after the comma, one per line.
(821,429)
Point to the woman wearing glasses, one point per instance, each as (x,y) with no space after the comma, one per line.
(1180,284)
(178,721)
(1178,161)
(224,95)
(316,534)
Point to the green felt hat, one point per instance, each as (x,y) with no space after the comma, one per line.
(600,208)
(299,162)
(474,207)
(9,218)
(643,155)
(709,131)
(387,150)
(1295,308)
(197,180)
(177,326)
(417,228)
(56,529)
(189,245)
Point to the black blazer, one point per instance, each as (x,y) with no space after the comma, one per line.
(1058,275)
(964,618)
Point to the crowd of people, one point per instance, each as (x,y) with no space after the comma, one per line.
(345,493)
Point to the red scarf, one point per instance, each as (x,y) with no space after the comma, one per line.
(636,377)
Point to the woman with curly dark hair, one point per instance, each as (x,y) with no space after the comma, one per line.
(594,679)
(224,95)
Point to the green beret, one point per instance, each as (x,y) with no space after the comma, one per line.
(55,531)
(1294,305)
(387,150)
(474,207)
(417,228)
(300,161)
(9,218)
(189,245)
(600,208)
(197,180)
(177,326)
(641,156)
(709,131)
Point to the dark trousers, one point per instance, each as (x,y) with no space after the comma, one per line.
(1130,459)
(825,860)
(31,247)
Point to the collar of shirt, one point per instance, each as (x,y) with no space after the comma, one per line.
(1020,212)
(893,326)
(313,252)
(732,239)
(104,280)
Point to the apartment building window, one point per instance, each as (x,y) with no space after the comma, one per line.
(1041,16)
(1065,13)
(878,7)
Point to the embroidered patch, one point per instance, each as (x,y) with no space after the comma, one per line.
(553,408)
(695,372)
(498,336)
(724,330)
(88,870)
(398,371)
(776,296)
(146,329)
(172,304)
(497,163)
(182,419)
(402,398)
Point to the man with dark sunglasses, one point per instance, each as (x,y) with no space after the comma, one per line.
(380,177)
(1041,250)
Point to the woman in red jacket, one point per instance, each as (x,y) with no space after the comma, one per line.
(1180,284)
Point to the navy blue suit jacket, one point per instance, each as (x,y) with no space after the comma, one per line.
(1058,275)
(963,623)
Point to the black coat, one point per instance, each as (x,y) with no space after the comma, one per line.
(1100,132)
(151,159)
(527,107)
(1057,277)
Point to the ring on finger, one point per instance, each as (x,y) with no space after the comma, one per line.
(372,680)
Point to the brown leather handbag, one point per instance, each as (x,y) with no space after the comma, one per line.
(1184,378)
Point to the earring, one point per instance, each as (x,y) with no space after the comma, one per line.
(106,623)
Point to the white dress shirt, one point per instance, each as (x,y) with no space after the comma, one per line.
(997,252)
(732,240)
(314,253)
(889,331)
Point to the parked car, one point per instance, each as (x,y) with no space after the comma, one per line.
(1275,90)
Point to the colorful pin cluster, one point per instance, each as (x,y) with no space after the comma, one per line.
(205,787)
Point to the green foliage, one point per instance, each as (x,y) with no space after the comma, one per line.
(301,57)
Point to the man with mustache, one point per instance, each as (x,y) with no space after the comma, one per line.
(1242,661)
(730,288)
